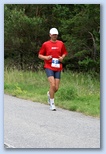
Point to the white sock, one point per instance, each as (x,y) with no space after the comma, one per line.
(51,101)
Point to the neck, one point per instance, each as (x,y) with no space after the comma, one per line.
(53,40)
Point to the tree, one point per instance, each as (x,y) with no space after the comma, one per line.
(26,27)
(81,34)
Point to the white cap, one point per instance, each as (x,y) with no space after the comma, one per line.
(53,31)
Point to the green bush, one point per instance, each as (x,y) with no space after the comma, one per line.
(67,93)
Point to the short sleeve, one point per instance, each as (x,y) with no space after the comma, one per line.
(42,50)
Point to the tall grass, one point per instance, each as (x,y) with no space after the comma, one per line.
(78,92)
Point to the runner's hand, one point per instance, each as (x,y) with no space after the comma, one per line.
(48,57)
(60,58)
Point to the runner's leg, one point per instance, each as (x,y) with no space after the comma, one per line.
(54,80)
(57,82)
(52,86)
(54,83)
(51,92)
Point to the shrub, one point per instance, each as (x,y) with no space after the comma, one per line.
(67,94)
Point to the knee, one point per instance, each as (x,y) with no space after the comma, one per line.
(56,89)
(53,87)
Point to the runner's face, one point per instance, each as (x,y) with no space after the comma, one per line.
(54,37)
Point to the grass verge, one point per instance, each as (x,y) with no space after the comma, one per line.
(78,92)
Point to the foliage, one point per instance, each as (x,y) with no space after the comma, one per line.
(26,27)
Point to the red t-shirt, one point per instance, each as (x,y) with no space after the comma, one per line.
(55,49)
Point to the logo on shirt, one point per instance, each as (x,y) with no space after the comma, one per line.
(54,48)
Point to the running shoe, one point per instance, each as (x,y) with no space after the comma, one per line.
(48,97)
(52,107)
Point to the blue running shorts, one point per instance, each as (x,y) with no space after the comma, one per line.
(56,74)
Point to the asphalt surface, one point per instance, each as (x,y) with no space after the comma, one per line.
(30,124)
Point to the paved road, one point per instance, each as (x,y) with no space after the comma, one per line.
(30,124)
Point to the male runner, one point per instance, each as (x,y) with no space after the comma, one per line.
(53,52)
